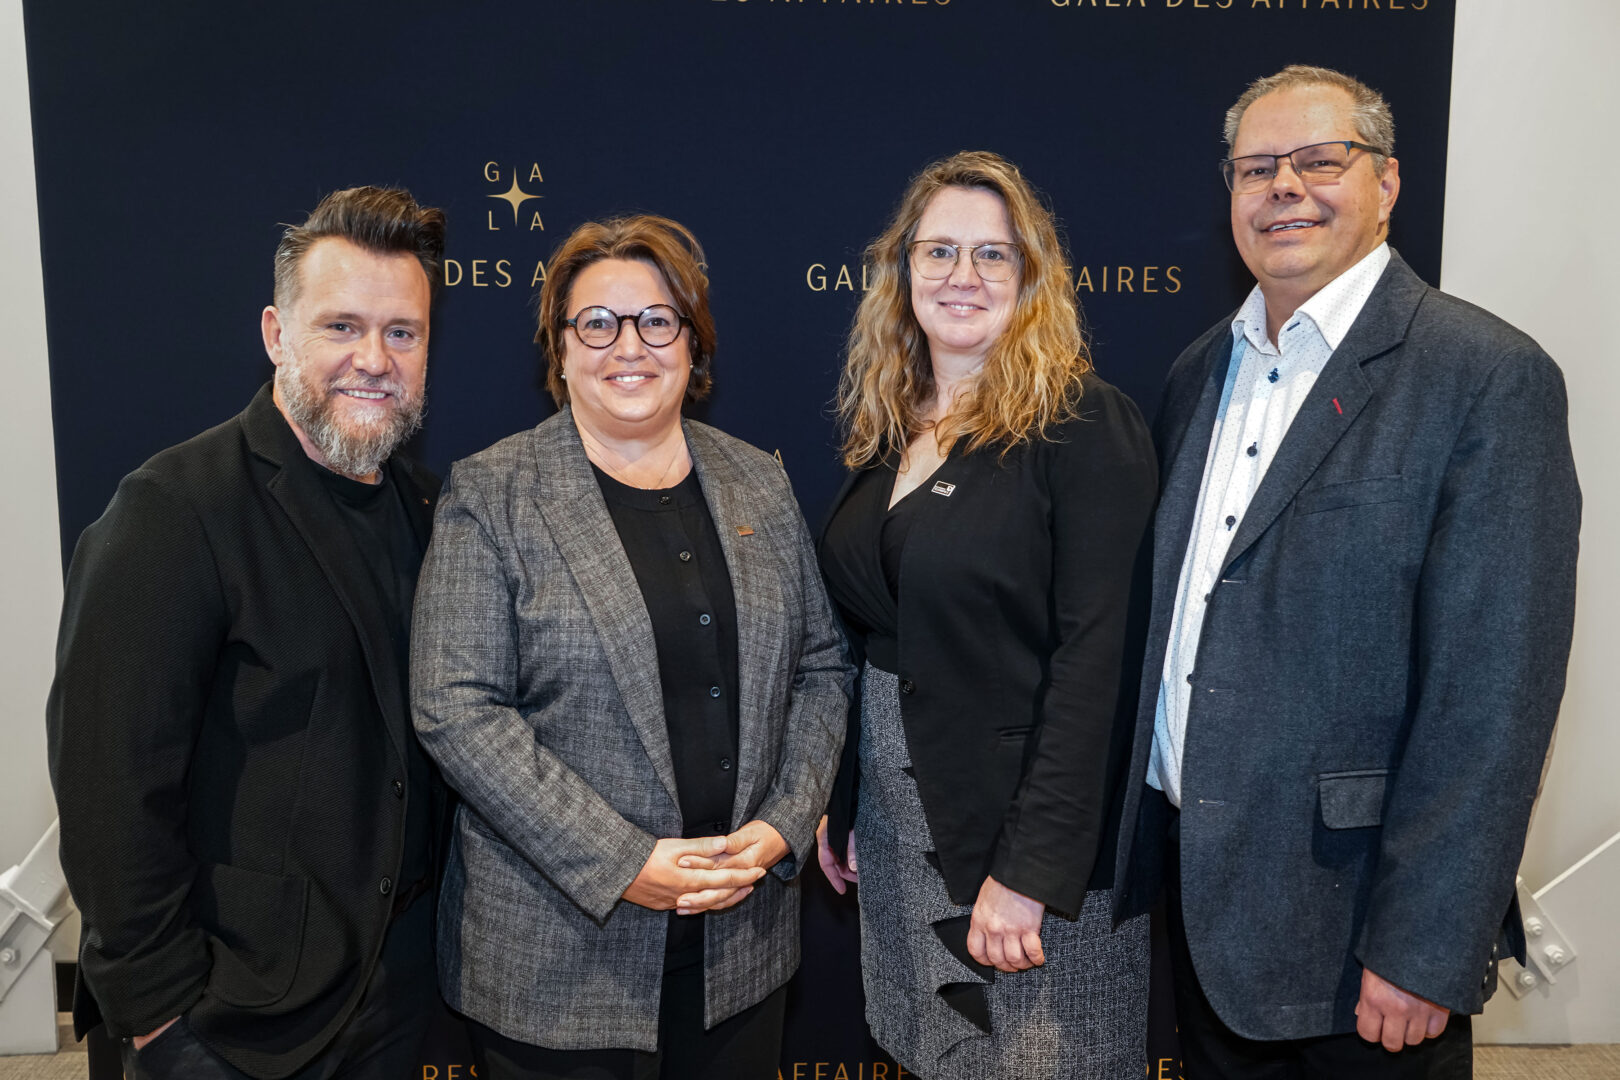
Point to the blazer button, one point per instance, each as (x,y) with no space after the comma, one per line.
(399,790)
(907,686)
(386,886)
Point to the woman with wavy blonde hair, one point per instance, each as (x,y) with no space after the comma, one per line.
(981,555)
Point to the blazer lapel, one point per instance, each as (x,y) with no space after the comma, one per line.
(1340,393)
(1189,420)
(571,503)
(761,610)
(308,506)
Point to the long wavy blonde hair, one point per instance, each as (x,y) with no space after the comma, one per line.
(1031,375)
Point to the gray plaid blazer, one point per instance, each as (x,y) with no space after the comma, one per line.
(535,687)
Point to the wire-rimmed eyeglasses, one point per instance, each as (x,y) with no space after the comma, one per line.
(1318,163)
(935,259)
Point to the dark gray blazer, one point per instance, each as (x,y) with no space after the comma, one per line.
(535,686)
(1379,670)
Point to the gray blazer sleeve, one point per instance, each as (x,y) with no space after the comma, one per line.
(464,667)
(1495,607)
(817,709)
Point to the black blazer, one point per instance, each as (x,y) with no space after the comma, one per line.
(1379,669)
(227,733)
(1015,595)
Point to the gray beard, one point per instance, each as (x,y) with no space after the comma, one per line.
(357,450)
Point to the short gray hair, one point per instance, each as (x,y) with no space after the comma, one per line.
(1369,112)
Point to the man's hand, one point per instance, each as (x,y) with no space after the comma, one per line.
(677,869)
(1389,1015)
(1005,931)
(141,1040)
(836,873)
(756,846)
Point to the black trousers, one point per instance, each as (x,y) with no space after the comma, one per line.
(747,1046)
(1212,1051)
(379,1042)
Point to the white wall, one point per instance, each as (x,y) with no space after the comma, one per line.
(1527,235)
(31,566)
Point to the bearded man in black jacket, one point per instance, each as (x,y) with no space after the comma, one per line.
(247,819)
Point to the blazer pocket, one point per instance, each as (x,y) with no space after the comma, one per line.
(256,922)
(1374,489)
(1352,800)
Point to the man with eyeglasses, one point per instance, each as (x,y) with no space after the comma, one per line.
(248,820)
(1364,573)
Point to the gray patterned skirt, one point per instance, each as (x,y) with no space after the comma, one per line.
(1082,1014)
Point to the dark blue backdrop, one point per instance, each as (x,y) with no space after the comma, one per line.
(170,140)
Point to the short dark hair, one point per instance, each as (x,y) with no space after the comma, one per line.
(670,248)
(381,220)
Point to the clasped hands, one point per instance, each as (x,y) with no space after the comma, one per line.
(707,873)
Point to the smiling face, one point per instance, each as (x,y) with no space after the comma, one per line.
(629,390)
(351,354)
(1297,237)
(962,315)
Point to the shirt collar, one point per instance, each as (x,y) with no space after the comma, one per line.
(1333,309)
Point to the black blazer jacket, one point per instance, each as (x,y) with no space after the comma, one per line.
(1380,666)
(1015,597)
(227,732)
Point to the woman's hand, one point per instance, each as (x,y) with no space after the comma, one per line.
(1006,928)
(837,873)
(682,868)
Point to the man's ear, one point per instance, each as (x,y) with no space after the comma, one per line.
(271,328)
(1389,189)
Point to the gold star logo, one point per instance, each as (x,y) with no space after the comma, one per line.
(516,196)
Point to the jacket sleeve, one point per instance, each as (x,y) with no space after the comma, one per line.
(1494,616)
(1102,483)
(817,713)
(464,697)
(143,620)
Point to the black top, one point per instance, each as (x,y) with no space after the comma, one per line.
(861,554)
(1015,615)
(375,517)
(674,551)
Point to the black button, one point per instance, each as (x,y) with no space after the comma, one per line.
(704,620)
(399,790)
(386,886)
(1230,521)
(663,500)
(720,828)
(907,686)
(1189,678)
(1208,597)
(714,691)
(686,556)
(725,764)
(1254,448)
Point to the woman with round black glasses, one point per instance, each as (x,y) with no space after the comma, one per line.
(625,662)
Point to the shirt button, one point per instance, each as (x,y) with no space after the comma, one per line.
(385,886)
(686,556)
(663,500)
(725,764)
(719,828)
(1231,520)
(399,790)
(714,691)
(907,686)
(704,620)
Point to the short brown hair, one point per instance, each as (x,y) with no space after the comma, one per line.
(1369,112)
(1031,377)
(670,248)
(385,221)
